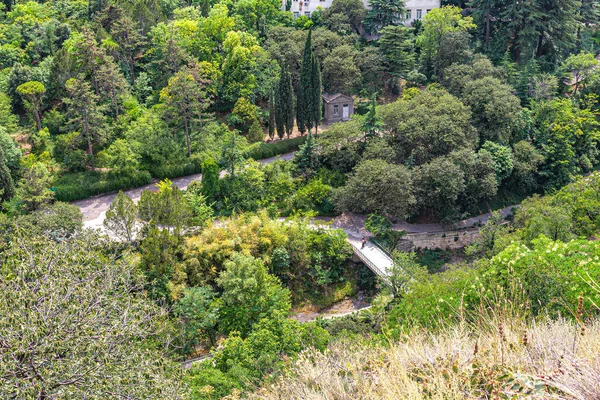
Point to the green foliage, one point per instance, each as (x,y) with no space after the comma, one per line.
(376,186)
(260,151)
(210,179)
(198,316)
(122,218)
(81,185)
(250,294)
(12,154)
(122,158)
(382,13)
(503,159)
(41,277)
(284,104)
(7,187)
(34,189)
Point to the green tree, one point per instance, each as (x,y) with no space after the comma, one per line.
(34,189)
(250,294)
(255,133)
(437,23)
(167,207)
(284,104)
(308,105)
(210,179)
(382,13)
(12,154)
(439,185)
(7,187)
(503,159)
(121,157)
(579,67)
(232,152)
(371,122)
(111,83)
(32,92)
(91,294)
(272,116)
(198,315)
(340,71)
(122,218)
(346,12)
(85,112)
(184,100)
(404,273)
(306,157)
(431,124)
(376,186)
(397,44)
(496,110)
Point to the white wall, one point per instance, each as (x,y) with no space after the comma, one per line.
(412,7)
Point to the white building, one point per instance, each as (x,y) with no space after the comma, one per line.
(415,9)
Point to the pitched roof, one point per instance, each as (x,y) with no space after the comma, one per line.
(331,97)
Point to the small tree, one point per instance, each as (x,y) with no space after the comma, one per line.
(256,134)
(122,158)
(405,270)
(372,123)
(32,92)
(34,188)
(210,179)
(121,218)
(197,313)
(306,158)
(184,99)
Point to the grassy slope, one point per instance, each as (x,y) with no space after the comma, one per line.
(499,360)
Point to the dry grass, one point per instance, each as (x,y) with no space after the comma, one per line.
(510,360)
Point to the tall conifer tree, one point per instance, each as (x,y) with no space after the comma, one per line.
(304,98)
(284,104)
(316,94)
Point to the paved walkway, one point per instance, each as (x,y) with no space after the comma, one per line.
(94,209)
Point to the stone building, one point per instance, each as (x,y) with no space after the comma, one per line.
(338,107)
(415,9)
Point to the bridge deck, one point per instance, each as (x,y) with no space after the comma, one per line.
(373,257)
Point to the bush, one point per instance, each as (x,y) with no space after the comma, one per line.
(81,185)
(262,150)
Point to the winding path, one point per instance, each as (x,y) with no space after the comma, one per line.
(94,212)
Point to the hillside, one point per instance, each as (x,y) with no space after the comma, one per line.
(508,359)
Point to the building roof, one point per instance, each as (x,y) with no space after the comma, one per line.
(328,98)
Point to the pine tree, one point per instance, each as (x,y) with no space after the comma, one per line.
(7,187)
(372,123)
(305,158)
(304,98)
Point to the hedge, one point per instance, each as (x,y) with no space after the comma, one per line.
(82,185)
(262,150)
(175,171)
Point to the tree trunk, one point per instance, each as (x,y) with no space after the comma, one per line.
(539,44)
(187,138)
(38,121)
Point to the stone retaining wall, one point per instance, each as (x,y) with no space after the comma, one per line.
(450,240)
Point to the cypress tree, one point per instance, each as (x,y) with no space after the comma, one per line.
(272,115)
(7,187)
(316,93)
(284,104)
(304,97)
